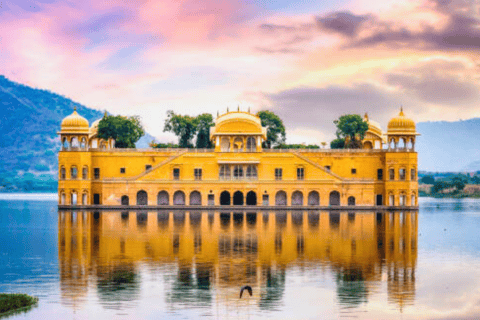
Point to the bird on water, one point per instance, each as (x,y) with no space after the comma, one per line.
(248,288)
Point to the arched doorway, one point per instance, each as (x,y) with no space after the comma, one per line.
(125,201)
(225,198)
(281,198)
(163,198)
(179,198)
(195,198)
(297,198)
(313,198)
(367,145)
(142,198)
(251,199)
(351,201)
(334,198)
(238,198)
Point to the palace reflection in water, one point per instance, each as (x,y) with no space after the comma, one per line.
(212,254)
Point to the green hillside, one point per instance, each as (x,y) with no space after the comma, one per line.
(29,121)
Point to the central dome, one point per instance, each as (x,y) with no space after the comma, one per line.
(238,122)
(75,123)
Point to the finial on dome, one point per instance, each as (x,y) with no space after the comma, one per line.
(74,108)
(218,114)
(227,110)
(238,108)
(401,111)
(105,114)
(366,116)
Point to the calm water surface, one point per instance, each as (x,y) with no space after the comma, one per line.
(300,264)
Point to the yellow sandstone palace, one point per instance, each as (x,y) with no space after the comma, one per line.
(238,172)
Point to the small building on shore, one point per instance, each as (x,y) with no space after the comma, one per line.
(238,171)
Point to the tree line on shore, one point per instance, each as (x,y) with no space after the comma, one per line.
(127,130)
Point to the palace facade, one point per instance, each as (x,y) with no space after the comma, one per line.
(238,171)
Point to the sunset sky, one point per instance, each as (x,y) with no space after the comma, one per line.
(308,61)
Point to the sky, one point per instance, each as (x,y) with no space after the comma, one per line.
(308,61)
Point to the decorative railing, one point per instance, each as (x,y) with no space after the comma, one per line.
(195,150)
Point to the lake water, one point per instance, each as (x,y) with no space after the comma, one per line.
(186,265)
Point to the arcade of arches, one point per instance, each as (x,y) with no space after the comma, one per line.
(249,198)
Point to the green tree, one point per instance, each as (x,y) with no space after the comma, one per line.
(125,130)
(203,123)
(427,180)
(459,182)
(440,186)
(275,129)
(352,128)
(184,127)
(337,143)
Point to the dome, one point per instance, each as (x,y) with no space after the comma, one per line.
(238,122)
(401,125)
(75,123)
(373,126)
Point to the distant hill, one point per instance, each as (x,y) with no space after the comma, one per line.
(29,121)
(449,146)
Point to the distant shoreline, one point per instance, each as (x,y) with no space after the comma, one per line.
(29,196)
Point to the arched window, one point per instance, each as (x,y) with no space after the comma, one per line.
(238,198)
(74,142)
(378,144)
(402,144)
(391,200)
(334,198)
(252,172)
(402,174)
(73,172)
(251,198)
(351,201)
(73,198)
(281,198)
(65,144)
(103,145)
(85,198)
(413,200)
(94,144)
(413,174)
(367,145)
(163,199)
(125,201)
(195,198)
(83,143)
(313,198)
(62,173)
(410,144)
(142,198)
(238,144)
(85,173)
(225,198)
(179,198)
(62,198)
(251,147)
(297,198)
(392,144)
(238,172)
(225,144)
